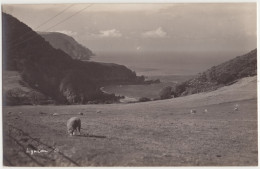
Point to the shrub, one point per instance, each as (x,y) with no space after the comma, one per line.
(180,88)
(225,78)
(165,93)
(144,99)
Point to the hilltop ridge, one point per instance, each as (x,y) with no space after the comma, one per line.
(67,44)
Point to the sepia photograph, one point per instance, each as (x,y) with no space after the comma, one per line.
(129,84)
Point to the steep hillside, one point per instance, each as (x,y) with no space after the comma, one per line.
(221,75)
(67,44)
(52,71)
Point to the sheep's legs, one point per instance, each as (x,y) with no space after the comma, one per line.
(79,130)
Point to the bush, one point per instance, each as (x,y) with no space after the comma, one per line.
(144,99)
(226,78)
(166,92)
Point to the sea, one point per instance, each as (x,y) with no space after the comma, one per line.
(165,63)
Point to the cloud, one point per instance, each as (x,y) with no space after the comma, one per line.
(67,32)
(157,33)
(110,33)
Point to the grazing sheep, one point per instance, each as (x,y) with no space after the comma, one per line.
(236,107)
(80,113)
(206,110)
(73,124)
(193,111)
(55,114)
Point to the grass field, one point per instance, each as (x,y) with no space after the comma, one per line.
(157,133)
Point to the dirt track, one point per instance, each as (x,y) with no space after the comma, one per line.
(161,133)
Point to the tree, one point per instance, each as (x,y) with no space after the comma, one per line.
(165,93)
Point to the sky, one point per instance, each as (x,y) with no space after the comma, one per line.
(201,29)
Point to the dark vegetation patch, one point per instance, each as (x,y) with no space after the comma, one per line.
(144,99)
(166,93)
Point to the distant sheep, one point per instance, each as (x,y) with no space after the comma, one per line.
(80,113)
(193,111)
(73,124)
(55,114)
(206,110)
(236,107)
(98,111)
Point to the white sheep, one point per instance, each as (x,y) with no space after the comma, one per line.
(73,124)
(80,113)
(236,107)
(193,111)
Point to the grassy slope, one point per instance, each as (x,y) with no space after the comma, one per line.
(159,133)
(11,80)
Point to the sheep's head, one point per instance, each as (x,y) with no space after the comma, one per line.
(70,131)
